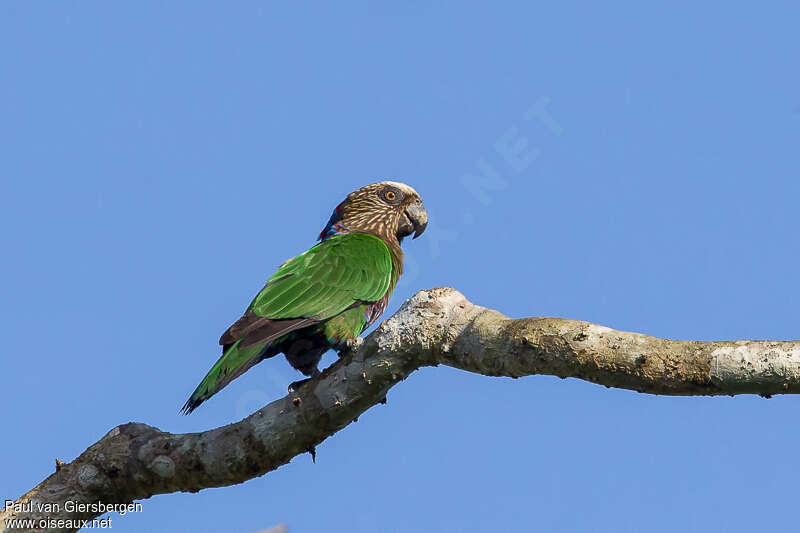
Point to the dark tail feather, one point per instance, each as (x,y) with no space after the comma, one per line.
(247,342)
(234,362)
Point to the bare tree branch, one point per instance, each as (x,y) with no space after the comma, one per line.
(135,461)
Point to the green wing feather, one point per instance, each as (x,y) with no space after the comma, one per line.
(327,279)
(313,287)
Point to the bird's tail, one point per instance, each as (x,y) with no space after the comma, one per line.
(234,362)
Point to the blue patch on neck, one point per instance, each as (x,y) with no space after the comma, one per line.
(332,228)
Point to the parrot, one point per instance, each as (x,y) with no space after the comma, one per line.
(327,296)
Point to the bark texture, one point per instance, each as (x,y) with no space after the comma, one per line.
(439,326)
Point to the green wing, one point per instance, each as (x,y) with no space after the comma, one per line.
(317,285)
(327,279)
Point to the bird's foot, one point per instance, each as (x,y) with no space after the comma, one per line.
(294,385)
(352,345)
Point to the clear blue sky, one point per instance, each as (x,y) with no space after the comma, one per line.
(159,160)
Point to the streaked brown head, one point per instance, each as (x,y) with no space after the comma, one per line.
(388,209)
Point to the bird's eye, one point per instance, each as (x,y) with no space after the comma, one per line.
(392,195)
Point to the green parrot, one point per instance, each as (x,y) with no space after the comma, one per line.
(325,297)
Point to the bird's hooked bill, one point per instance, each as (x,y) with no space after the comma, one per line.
(419,218)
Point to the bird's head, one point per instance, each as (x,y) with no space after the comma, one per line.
(386,209)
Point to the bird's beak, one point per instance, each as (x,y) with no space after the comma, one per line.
(419,218)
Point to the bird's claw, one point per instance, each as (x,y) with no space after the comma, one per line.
(353,345)
(294,385)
